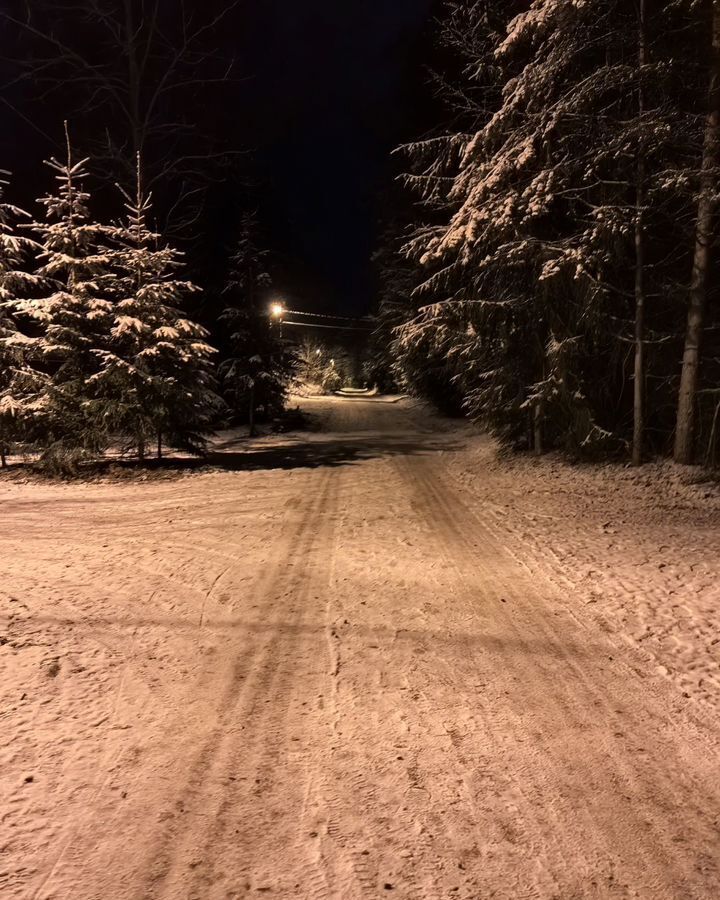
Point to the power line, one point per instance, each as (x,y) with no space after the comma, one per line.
(331,327)
(308,315)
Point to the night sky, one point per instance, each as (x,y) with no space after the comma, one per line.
(328,90)
(338,85)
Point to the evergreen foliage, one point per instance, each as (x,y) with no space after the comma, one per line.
(416,364)
(257,368)
(557,218)
(154,379)
(74,318)
(95,348)
(18,379)
(323,367)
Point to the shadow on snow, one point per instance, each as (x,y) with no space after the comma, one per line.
(232,456)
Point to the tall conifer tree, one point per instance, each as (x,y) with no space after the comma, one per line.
(155,375)
(256,370)
(539,265)
(75,316)
(19,381)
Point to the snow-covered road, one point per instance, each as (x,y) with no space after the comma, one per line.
(325,673)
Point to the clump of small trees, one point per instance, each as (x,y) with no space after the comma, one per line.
(320,367)
(96,348)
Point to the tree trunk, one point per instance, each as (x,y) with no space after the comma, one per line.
(537,429)
(686,413)
(710,455)
(252,411)
(141,450)
(133,74)
(639,386)
(3,456)
(159,445)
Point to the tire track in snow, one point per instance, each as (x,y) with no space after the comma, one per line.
(249,736)
(557,682)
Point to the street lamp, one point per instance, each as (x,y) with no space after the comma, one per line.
(277,313)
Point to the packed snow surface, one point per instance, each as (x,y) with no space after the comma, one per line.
(373,660)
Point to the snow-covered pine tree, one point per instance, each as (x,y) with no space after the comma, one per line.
(256,370)
(396,278)
(531,279)
(19,381)
(412,366)
(154,379)
(74,318)
(425,358)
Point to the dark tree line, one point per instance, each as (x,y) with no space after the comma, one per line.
(558,272)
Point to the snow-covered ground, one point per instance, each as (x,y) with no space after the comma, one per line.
(638,548)
(372,660)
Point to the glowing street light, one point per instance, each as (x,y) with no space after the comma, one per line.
(277,310)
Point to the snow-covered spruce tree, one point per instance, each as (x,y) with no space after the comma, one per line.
(154,377)
(410,365)
(534,275)
(396,279)
(74,319)
(19,381)
(256,370)
(470,88)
